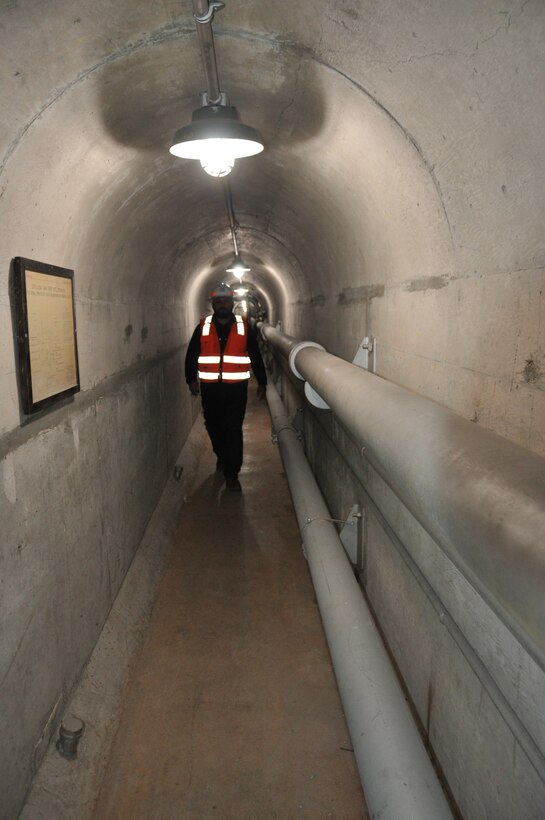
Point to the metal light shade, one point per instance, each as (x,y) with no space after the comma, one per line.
(216,128)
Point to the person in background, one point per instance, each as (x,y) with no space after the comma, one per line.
(219,356)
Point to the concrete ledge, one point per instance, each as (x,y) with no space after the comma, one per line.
(62,789)
(53,417)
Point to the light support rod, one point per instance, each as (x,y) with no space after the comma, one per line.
(204,14)
(230,214)
(237,266)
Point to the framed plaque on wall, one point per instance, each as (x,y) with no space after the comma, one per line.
(46,333)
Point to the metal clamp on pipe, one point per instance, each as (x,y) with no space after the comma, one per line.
(208,16)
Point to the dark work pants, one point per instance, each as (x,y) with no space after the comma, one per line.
(223,407)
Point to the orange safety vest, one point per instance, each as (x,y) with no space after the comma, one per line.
(233,365)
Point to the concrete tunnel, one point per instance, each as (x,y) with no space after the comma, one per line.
(400,196)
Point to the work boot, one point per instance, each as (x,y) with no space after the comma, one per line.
(232,483)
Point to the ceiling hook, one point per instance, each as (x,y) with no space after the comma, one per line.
(214,6)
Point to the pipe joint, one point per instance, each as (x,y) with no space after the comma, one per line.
(297,349)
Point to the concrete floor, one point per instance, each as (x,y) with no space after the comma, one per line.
(233,710)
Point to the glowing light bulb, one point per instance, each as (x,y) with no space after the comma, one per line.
(217,169)
(215,157)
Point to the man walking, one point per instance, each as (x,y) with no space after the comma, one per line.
(219,354)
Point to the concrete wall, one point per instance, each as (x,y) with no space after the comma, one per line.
(402,195)
(78,490)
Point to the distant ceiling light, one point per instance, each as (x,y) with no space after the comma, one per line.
(216,137)
(241,291)
(237,267)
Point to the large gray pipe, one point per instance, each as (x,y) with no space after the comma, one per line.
(398,778)
(281,341)
(481,497)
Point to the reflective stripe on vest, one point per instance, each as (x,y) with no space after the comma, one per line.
(225,377)
(235,377)
(233,365)
(235,359)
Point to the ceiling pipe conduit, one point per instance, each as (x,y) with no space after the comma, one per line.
(480,496)
(203,12)
(397,776)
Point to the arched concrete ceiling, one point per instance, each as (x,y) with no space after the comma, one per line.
(404,141)
(104,139)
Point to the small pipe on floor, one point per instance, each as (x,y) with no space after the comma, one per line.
(397,776)
(70,732)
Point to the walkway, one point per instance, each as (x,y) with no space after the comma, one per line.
(233,711)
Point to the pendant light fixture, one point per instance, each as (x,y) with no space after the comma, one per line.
(215,136)
(238,267)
